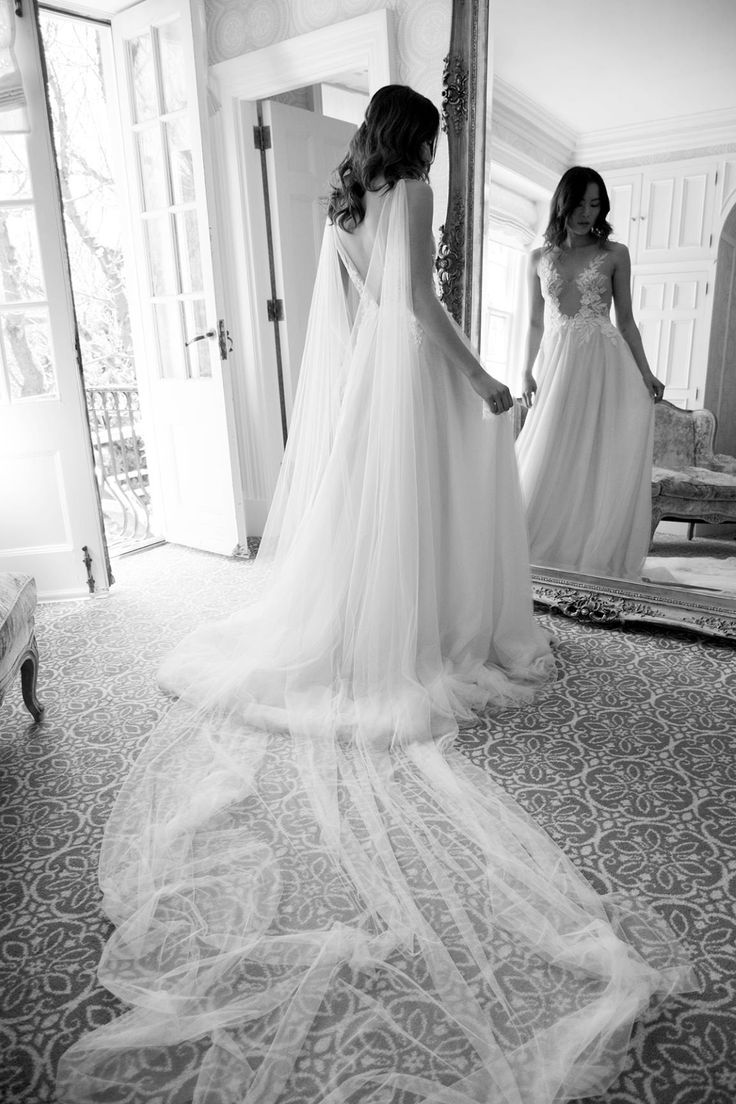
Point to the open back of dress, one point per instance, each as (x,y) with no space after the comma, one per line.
(317,897)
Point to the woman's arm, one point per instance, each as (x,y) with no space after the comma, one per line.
(625,323)
(536,326)
(431,315)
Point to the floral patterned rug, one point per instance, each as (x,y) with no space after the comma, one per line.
(628,761)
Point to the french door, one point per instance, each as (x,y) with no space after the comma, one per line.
(50,520)
(180,335)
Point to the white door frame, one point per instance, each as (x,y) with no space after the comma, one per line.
(364,42)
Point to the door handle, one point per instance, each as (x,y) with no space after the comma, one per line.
(199,337)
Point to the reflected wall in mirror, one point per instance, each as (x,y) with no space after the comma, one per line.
(573,85)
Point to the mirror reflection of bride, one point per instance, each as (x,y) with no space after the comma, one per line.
(585,451)
(318,899)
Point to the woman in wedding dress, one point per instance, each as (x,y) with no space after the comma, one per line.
(318,899)
(585,452)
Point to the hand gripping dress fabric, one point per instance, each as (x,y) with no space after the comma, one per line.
(317,898)
(585,452)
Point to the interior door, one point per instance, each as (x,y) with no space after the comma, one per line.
(50,521)
(305,148)
(180,335)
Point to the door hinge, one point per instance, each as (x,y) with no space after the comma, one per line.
(224,339)
(262,137)
(275,308)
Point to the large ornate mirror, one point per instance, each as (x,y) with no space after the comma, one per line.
(535,90)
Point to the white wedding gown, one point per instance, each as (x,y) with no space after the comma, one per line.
(585,452)
(317,898)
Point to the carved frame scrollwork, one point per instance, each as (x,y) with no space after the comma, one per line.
(459,266)
(459,256)
(611,602)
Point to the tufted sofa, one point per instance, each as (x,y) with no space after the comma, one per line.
(18,650)
(689,482)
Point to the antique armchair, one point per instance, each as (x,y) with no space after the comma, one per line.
(689,482)
(18,650)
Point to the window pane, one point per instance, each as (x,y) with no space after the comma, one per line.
(179,150)
(27,356)
(190,258)
(200,352)
(160,249)
(20,261)
(170,340)
(15,178)
(499,332)
(142,78)
(153,176)
(172,65)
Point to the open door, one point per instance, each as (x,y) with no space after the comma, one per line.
(50,521)
(303,147)
(180,336)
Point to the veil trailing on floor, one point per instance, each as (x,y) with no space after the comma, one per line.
(317,897)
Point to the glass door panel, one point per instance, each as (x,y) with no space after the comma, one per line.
(161,67)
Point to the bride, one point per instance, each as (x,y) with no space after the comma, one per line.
(317,898)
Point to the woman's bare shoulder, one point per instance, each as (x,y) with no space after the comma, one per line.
(617,249)
(419,200)
(418,192)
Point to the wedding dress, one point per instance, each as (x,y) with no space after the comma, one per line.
(318,899)
(585,452)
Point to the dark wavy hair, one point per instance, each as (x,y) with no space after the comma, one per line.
(388,143)
(568,194)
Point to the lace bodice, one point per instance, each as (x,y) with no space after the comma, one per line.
(589,292)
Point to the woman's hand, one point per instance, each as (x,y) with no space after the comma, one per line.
(495,393)
(654,386)
(528,388)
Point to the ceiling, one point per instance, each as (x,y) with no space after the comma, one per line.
(601,64)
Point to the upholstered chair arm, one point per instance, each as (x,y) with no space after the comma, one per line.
(722,463)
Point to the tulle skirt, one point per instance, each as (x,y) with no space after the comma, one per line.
(317,898)
(585,455)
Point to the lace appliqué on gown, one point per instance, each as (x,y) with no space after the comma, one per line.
(369,306)
(593,314)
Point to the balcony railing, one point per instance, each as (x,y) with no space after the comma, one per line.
(120,465)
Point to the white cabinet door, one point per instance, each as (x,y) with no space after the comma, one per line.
(179,333)
(673,313)
(625,196)
(50,521)
(664,213)
(676,213)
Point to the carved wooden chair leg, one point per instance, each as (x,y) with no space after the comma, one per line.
(656,518)
(28,674)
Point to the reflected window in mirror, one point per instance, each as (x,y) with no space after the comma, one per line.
(504,310)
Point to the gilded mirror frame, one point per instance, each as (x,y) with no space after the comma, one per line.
(465,115)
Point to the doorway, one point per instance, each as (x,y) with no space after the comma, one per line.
(80,80)
(304,134)
(334,58)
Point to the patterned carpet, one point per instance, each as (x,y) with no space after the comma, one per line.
(628,761)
